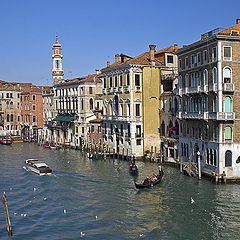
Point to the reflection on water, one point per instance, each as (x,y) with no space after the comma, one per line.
(88,188)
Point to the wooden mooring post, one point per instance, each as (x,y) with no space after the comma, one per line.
(6,213)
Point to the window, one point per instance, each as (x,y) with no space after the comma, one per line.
(228,133)
(33,97)
(99,129)
(11,118)
(186,81)
(91,103)
(115,81)
(205,57)
(128,80)
(104,83)
(137,80)
(214,75)
(138,131)
(227,75)
(180,64)
(214,54)
(227,53)
(228,158)
(57,64)
(34,107)
(186,62)
(227,104)
(121,81)
(199,58)
(11,96)
(192,60)
(138,142)
(137,110)
(90,90)
(7,95)
(205,76)
(169,59)
(110,82)
(92,128)
(82,130)
(34,119)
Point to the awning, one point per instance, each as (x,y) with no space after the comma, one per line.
(64,118)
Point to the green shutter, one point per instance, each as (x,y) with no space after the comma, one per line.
(228,133)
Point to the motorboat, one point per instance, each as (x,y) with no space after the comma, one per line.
(38,167)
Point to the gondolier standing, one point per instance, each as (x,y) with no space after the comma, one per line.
(159,168)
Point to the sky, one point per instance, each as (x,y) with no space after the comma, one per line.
(91,32)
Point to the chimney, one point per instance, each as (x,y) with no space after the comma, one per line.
(108,64)
(238,21)
(203,36)
(116,57)
(175,47)
(152,54)
(97,71)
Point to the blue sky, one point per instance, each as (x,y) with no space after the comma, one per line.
(92,32)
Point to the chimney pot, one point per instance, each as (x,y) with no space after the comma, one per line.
(108,64)
(238,21)
(117,57)
(97,71)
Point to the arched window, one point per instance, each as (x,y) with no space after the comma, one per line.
(227,75)
(228,158)
(11,117)
(205,77)
(91,103)
(228,133)
(82,104)
(227,104)
(7,117)
(214,76)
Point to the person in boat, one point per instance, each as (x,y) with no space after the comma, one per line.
(159,168)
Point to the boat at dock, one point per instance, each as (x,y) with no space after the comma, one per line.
(151,181)
(5,141)
(38,167)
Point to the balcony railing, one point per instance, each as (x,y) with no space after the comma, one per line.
(222,116)
(195,115)
(185,90)
(120,89)
(127,89)
(34,124)
(228,87)
(137,89)
(212,87)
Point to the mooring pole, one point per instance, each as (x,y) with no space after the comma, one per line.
(199,165)
(6,213)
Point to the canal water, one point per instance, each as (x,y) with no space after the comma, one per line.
(97,199)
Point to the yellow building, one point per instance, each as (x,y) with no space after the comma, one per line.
(131,90)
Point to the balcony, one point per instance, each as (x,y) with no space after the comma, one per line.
(34,124)
(137,89)
(127,89)
(228,87)
(222,116)
(120,89)
(212,87)
(178,91)
(185,91)
(179,115)
(195,115)
(110,90)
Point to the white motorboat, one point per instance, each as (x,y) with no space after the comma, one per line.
(38,167)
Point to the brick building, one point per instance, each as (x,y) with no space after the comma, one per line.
(209,84)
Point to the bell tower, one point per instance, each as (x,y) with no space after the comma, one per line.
(57,71)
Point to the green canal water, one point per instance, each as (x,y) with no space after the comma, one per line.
(97,199)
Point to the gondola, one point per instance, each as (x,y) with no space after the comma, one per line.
(150,183)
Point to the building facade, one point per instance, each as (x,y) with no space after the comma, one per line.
(132,89)
(208,107)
